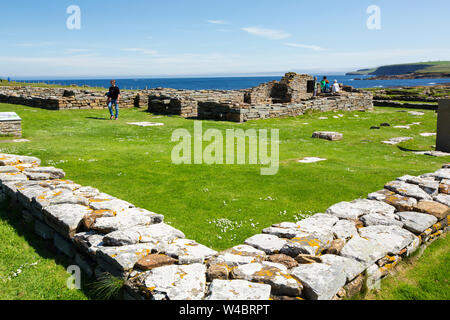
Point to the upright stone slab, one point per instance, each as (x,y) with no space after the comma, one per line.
(443,128)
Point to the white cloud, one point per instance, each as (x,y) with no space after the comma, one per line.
(304,46)
(218,22)
(141,50)
(267,33)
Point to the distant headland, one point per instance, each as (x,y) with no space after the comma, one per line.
(419,70)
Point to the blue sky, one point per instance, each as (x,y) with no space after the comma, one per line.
(200,37)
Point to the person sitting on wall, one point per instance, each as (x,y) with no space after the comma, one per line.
(325,85)
(113,98)
(335,88)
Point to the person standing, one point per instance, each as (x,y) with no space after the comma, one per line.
(113,99)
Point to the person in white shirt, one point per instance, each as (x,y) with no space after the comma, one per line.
(335,88)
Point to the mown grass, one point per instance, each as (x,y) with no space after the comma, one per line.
(419,278)
(43,273)
(217,205)
(134,164)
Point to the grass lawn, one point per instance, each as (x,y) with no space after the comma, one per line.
(218,205)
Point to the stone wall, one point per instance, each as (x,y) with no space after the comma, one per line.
(11,128)
(288,97)
(59,98)
(326,256)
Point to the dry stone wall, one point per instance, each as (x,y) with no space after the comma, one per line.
(329,255)
(291,96)
(59,98)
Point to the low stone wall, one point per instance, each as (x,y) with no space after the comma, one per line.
(11,128)
(395,104)
(60,99)
(326,256)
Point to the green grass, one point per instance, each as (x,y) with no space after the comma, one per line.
(134,164)
(5,83)
(433,67)
(45,280)
(419,278)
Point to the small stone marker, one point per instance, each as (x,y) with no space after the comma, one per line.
(146,124)
(10,124)
(428,134)
(328,135)
(402,127)
(416,113)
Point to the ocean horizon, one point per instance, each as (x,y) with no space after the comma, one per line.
(229,83)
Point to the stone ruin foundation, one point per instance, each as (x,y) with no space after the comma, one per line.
(329,255)
(293,95)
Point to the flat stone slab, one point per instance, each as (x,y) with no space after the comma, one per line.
(275,275)
(88,242)
(350,267)
(126,219)
(328,135)
(311,160)
(394,141)
(375,219)
(363,251)
(239,255)
(268,243)
(146,124)
(51,172)
(12,159)
(9,116)
(65,218)
(320,281)
(153,261)
(416,113)
(442,174)
(417,222)
(188,251)
(433,208)
(344,229)
(433,153)
(118,260)
(408,190)
(174,282)
(428,134)
(238,290)
(357,208)
(149,233)
(443,198)
(391,238)
(115,205)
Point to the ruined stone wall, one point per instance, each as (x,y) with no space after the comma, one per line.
(326,256)
(288,97)
(59,98)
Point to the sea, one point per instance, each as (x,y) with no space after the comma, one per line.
(232,83)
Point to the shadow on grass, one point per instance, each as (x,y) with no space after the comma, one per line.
(98,118)
(44,248)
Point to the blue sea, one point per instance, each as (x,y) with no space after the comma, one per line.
(232,83)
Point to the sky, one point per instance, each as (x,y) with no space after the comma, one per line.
(132,38)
